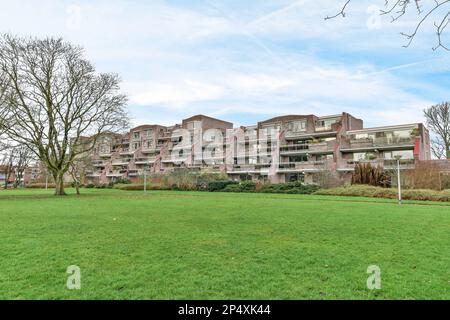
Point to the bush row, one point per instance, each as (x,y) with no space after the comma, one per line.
(230,186)
(387,193)
(43,185)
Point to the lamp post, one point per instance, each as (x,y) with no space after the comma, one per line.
(399,181)
(145,179)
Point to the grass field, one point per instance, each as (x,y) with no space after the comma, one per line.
(175,245)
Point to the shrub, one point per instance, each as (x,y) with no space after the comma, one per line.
(216,186)
(387,193)
(105,186)
(366,174)
(90,186)
(290,188)
(245,186)
(232,188)
(204,179)
(42,186)
(123,181)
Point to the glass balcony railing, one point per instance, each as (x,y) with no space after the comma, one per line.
(380,142)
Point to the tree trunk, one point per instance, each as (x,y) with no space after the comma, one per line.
(59,190)
(447,152)
(77,187)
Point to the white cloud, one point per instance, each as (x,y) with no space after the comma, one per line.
(174,94)
(267,58)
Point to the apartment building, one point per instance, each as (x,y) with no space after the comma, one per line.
(282,149)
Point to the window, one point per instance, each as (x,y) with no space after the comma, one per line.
(136,145)
(323,125)
(149,144)
(298,159)
(149,133)
(136,135)
(361,156)
(325,157)
(194,125)
(268,130)
(297,126)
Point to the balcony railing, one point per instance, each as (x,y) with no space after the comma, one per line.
(306,148)
(301,166)
(126,152)
(134,173)
(144,161)
(378,143)
(93,174)
(105,154)
(121,162)
(116,174)
(98,164)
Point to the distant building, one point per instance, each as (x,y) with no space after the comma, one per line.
(282,149)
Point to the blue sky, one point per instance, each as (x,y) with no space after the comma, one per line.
(245,61)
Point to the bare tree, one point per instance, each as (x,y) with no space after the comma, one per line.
(7,165)
(425,10)
(438,120)
(23,158)
(52,98)
(438,148)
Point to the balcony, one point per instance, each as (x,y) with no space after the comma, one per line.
(121,162)
(312,148)
(105,154)
(306,166)
(379,143)
(98,164)
(127,152)
(319,132)
(116,174)
(134,173)
(145,161)
(262,169)
(93,174)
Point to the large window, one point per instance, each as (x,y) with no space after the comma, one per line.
(324,125)
(298,159)
(270,130)
(297,126)
(149,133)
(194,125)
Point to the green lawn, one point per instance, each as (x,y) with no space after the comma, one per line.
(175,245)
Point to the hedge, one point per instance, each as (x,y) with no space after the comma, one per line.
(43,185)
(289,188)
(387,193)
(216,186)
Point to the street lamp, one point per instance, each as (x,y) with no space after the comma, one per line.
(145,178)
(399,182)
